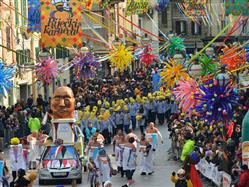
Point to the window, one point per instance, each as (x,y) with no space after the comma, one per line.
(16,12)
(8,37)
(62,52)
(195,28)
(181,27)
(164,18)
(23,57)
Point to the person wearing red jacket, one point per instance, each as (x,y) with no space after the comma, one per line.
(243,180)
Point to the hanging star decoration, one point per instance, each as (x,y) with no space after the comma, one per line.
(85,65)
(121,57)
(172,73)
(185,94)
(147,57)
(47,70)
(6,76)
(175,44)
(207,65)
(233,57)
(216,100)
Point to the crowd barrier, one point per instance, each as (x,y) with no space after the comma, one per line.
(210,171)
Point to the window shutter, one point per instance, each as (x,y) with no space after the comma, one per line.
(16,12)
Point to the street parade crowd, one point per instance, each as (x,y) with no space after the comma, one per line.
(123,112)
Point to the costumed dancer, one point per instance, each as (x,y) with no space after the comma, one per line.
(105,123)
(140,118)
(119,153)
(129,160)
(16,157)
(85,119)
(114,141)
(93,118)
(93,148)
(119,118)
(92,173)
(152,134)
(160,109)
(127,119)
(104,164)
(133,112)
(34,144)
(146,156)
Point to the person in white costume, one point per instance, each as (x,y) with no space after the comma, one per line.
(146,156)
(16,157)
(129,160)
(104,165)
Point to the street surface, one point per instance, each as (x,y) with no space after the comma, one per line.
(161,177)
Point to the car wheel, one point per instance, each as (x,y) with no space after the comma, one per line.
(42,182)
(79,181)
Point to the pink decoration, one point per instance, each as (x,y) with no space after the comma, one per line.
(184,93)
(47,70)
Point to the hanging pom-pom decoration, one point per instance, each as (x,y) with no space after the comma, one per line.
(216,100)
(184,93)
(146,57)
(6,76)
(47,70)
(233,57)
(172,73)
(121,57)
(85,65)
(207,66)
(175,44)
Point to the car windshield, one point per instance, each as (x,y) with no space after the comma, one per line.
(59,153)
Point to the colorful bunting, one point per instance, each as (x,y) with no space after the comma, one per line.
(136,7)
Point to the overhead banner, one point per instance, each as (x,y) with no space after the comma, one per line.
(87,4)
(237,7)
(61,23)
(136,7)
(34,16)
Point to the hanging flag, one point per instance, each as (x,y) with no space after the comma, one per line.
(34,16)
(136,7)
(61,23)
(237,7)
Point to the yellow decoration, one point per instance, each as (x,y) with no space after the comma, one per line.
(125,108)
(121,57)
(92,115)
(106,115)
(86,115)
(172,73)
(107,104)
(118,108)
(102,110)
(99,102)
(139,117)
(95,108)
(14,141)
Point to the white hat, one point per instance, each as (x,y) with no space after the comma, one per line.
(78,104)
(107,183)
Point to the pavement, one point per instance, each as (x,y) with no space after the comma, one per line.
(163,168)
